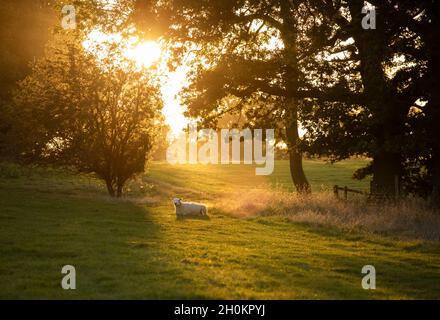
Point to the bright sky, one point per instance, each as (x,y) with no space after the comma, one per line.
(173,108)
(145,54)
(148,53)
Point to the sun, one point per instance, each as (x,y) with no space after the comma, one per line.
(145,53)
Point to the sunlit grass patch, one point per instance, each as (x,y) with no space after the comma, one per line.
(131,248)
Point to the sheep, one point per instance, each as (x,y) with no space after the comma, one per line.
(189,208)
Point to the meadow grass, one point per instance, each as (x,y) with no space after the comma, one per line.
(135,248)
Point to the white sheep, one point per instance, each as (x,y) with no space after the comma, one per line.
(189,208)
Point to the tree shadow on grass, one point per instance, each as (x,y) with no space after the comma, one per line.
(395,279)
(401,273)
(117,249)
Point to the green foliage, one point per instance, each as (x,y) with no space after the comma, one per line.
(255,60)
(256,64)
(24,30)
(97,115)
(387,68)
(271,64)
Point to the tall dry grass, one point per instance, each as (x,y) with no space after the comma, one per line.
(409,218)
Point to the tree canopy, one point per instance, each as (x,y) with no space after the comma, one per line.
(310,69)
(91,112)
(281,64)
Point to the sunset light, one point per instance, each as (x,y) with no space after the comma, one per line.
(244,152)
(145,53)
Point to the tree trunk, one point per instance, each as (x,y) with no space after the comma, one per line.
(119,191)
(388,113)
(289,36)
(295,158)
(110,188)
(435,195)
(433,112)
(297,172)
(386,167)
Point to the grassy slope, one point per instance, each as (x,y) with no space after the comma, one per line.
(323,176)
(124,249)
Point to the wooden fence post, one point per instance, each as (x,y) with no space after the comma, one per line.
(346,190)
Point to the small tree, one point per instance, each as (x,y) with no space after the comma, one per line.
(98,115)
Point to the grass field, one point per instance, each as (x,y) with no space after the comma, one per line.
(135,247)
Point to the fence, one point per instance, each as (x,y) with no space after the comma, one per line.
(346,190)
(375,193)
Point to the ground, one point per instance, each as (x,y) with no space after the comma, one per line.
(136,248)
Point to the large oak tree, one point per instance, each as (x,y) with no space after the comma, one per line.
(263,53)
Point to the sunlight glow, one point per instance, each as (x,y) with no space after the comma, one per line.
(145,53)
(173,107)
